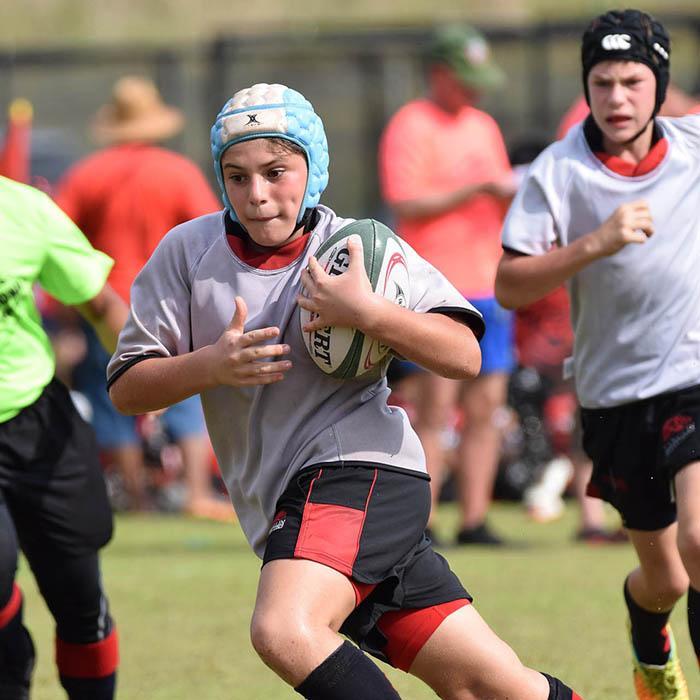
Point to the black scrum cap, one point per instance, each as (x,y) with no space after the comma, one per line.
(628,35)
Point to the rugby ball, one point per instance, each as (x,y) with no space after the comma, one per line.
(345,353)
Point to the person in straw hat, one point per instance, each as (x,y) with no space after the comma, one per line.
(125,197)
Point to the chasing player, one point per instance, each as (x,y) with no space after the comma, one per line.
(613,209)
(53,500)
(328,481)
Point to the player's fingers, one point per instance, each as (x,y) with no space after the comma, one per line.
(638,236)
(259,335)
(647,226)
(307,281)
(240,315)
(314,269)
(355,251)
(264,369)
(260,352)
(315,324)
(307,303)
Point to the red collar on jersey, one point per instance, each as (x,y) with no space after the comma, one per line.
(273,258)
(659,148)
(646,165)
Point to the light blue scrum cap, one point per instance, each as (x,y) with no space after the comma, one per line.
(273,111)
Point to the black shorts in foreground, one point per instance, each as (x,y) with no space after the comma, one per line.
(51,478)
(637,449)
(367,522)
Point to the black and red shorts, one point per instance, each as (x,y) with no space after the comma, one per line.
(637,449)
(368,522)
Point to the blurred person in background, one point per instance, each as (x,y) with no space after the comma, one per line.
(612,209)
(53,500)
(445,174)
(125,198)
(543,341)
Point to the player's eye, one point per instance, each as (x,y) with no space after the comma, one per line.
(275,173)
(237,178)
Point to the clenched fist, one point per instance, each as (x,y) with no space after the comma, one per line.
(629,223)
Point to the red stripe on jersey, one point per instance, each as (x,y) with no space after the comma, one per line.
(646,165)
(272,259)
(95,660)
(408,630)
(13,605)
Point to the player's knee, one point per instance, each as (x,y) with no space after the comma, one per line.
(474,687)
(689,547)
(668,587)
(273,636)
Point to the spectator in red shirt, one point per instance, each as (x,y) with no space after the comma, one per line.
(125,198)
(445,173)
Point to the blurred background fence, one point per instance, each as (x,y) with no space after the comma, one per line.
(356,80)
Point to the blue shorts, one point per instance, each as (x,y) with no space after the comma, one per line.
(113,429)
(497,344)
(497,353)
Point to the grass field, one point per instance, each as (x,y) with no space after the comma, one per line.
(182,592)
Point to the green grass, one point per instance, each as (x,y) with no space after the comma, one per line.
(182,592)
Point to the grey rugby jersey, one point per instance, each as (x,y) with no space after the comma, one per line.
(183,299)
(635,314)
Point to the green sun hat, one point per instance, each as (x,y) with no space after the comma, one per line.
(467,53)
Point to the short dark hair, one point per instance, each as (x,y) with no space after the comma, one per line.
(286,146)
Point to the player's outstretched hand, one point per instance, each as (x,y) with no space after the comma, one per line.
(344,300)
(243,359)
(629,223)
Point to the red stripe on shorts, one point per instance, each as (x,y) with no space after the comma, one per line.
(95,660)
(408,630)
(362,590)
(330,534)
(12,607)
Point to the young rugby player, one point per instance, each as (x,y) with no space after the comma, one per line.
(613,209)
(328,481)
(53,500)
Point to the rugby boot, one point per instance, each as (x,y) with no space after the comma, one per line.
(654,682)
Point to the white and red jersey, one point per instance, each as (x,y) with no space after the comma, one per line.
(635,314)
(184,300)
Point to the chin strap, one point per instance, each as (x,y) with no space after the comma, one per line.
(640,132)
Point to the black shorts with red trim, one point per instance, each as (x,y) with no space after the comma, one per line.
(637,449)
(368,522)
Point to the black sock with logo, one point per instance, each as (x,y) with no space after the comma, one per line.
(347,674)
(651,643)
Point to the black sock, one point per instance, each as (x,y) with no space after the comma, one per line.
(559,691)
(90,688)
(649,638)
(347,674)
(694,619)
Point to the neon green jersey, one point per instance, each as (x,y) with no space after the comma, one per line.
(38,243)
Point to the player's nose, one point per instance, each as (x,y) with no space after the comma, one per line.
(257,192)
